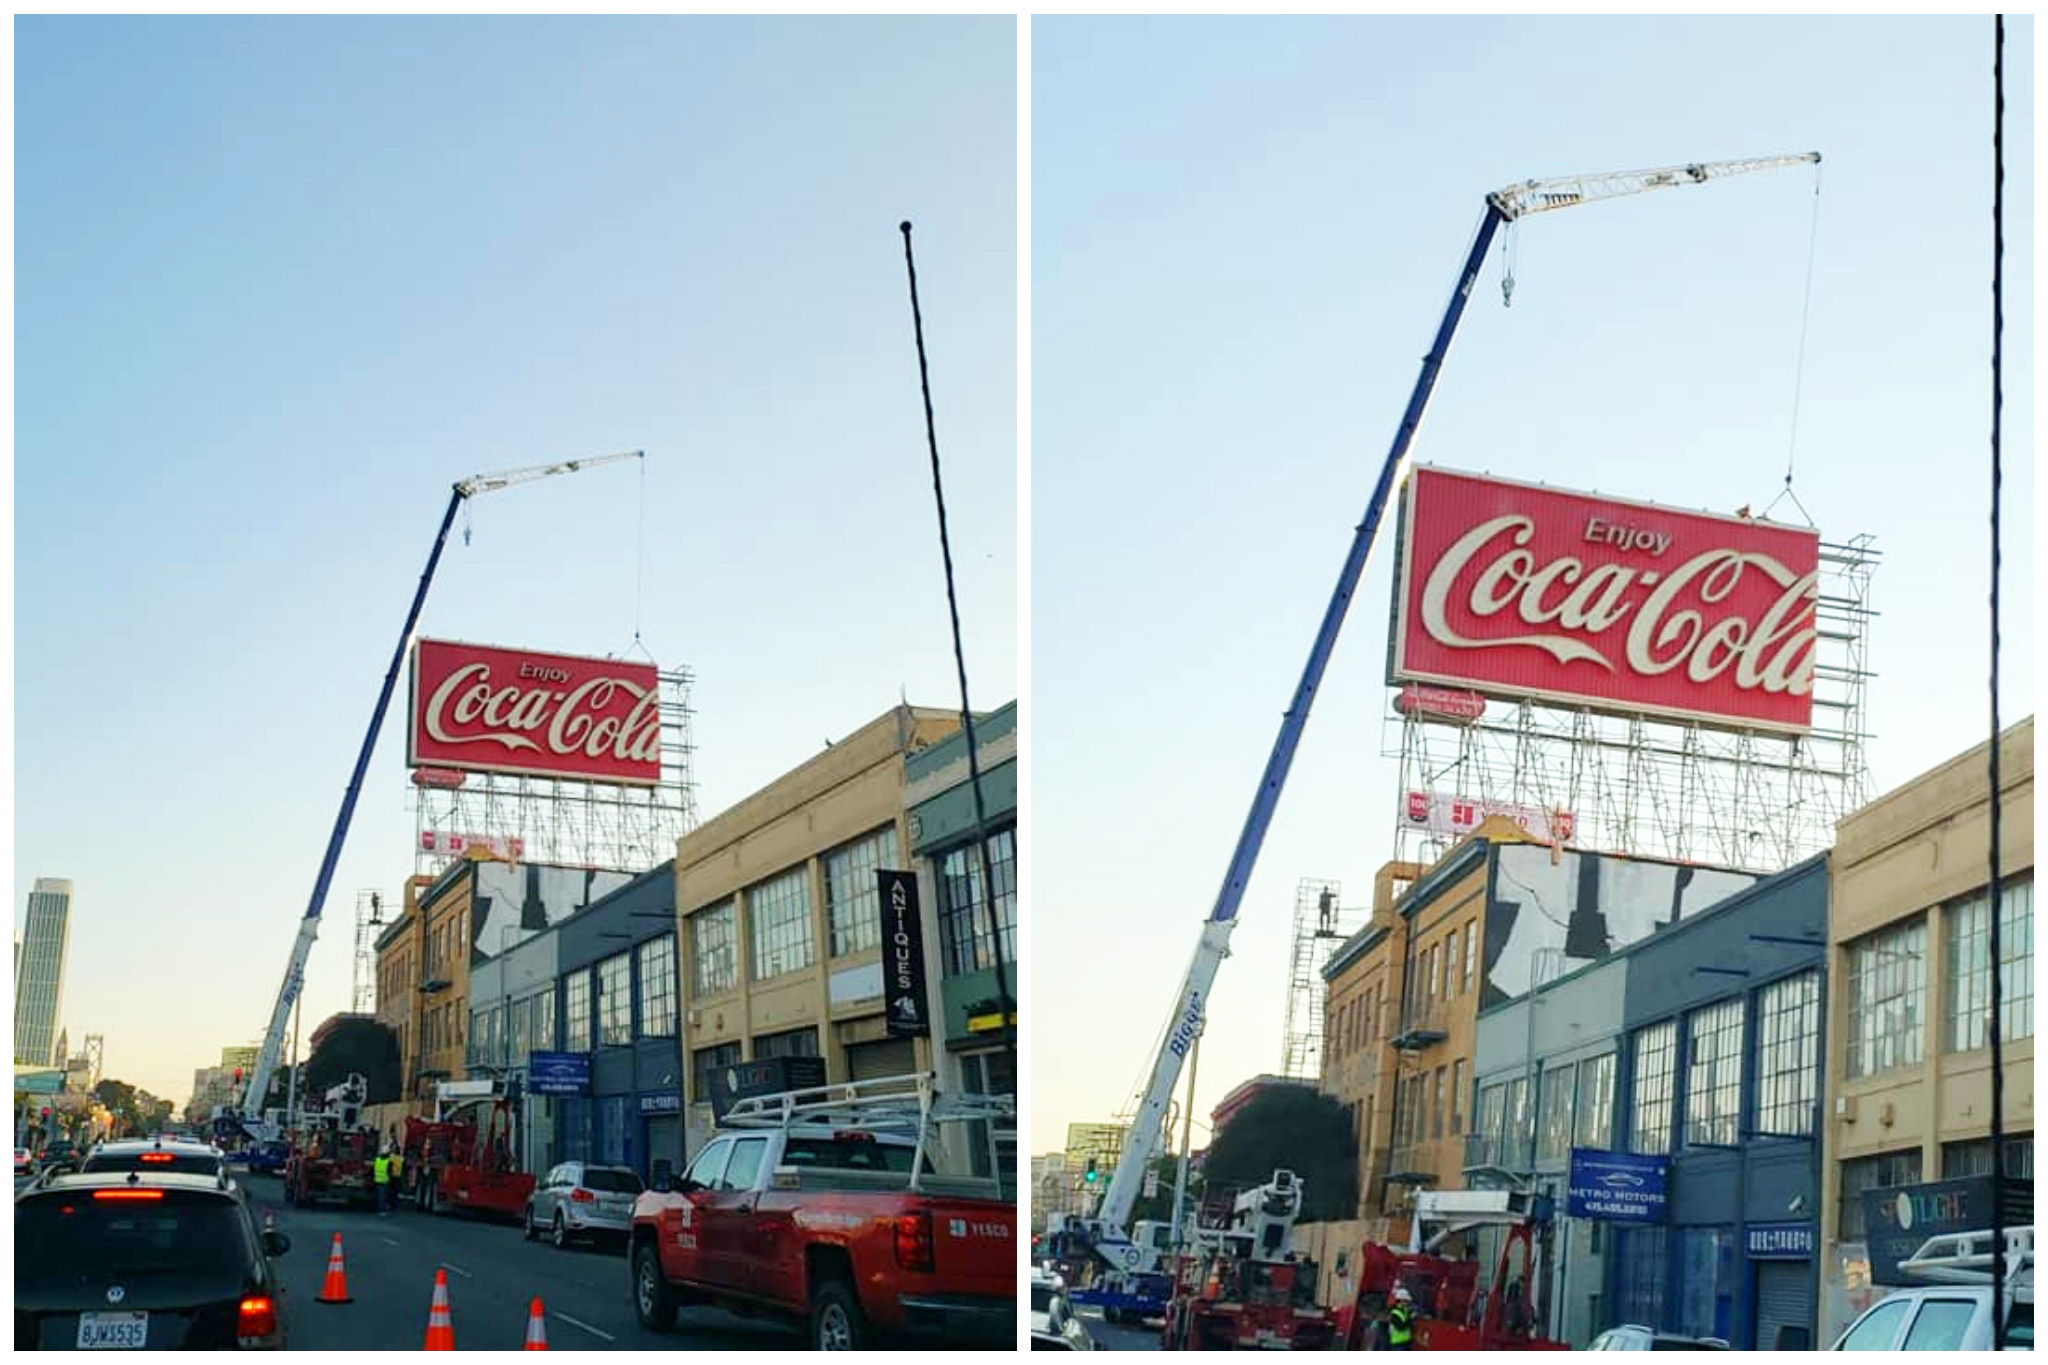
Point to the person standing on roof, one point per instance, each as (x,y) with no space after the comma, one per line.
(1401,1321)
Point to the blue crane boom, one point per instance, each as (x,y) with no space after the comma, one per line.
(1108,1230)
(309,923)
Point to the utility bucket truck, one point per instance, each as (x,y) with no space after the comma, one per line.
(1453,1310)
(463,1158)
(1249,1289)
(331,1151)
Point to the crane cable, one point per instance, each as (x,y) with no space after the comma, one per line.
(1799,365)
(1995,945)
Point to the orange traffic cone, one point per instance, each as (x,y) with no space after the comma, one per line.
(536,1329)
(335,1290)
(440,1327)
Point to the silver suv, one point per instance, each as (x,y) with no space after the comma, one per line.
(576,1199)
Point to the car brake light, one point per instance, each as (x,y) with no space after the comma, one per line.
(156,1158)
(127,1196)
(581,1196)
(257,1322)
(914,1241)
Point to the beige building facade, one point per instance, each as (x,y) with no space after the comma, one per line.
(779,920)
(1908,1085)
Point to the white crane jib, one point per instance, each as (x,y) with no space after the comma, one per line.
(1107,1229)
(309,923)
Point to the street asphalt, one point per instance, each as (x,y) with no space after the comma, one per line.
(1120,1338)
(493,1275)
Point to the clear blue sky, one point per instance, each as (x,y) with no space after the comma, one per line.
(1243,236)
(279,283)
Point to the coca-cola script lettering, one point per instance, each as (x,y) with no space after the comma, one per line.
(1519,591)
(515,711)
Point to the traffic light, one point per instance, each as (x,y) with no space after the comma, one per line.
(1090,1177)
(46,1112)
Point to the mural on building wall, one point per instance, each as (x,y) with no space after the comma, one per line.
(514,900)
(1586,904)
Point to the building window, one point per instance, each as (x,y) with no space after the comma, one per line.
(704,1062)
(1713,1077)
(964,930)
(796,1042)
(658,987)
(518,1033)
(1430,958)
(1493,1118)
(1458,1098)
(615,1001)
(1969,967)
(714,965)
(1787,1055)
(1650,1129)
(1515,1136)
(1436,1105)
(779,910)
(544,1022)
(576,1012)
(1471,926)
(1959,1159)
(1887,980)
(1554,1137)
(853,899)
(471,1058)
(1595,1123)
(1872,1173)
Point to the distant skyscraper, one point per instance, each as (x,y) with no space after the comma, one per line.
(39,974)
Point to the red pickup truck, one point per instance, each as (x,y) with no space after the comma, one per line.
(825,1206)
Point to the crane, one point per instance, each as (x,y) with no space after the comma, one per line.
(1106,1230)
(309,924)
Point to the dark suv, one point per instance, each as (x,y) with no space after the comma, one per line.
(143,1261)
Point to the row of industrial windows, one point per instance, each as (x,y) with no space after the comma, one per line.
(503,1035)
(1575,1102)
(1887,981)
(1357,1023)
(1958,1159)
(1446,966)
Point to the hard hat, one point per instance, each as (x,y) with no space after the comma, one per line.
(1401,1295)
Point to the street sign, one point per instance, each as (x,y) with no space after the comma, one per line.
(1778,1241)
(558,1073)
(1617,1187)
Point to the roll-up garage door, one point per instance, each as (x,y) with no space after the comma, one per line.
(1784,1298)
(891,1057)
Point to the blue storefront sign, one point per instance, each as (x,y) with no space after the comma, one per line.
(558,1073)
(662,1102)
(1617,1187)
(1778,1241)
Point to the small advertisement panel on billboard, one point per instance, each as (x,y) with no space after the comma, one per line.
(520,711)
(768,1076)
(1617,1187)
(1514,590)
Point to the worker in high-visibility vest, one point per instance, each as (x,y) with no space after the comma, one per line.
(397,1185)
(380,1171)
(1401,1321)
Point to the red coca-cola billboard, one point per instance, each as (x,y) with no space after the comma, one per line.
(486,709)
(1513,590)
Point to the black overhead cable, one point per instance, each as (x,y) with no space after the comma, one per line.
(1004,1003)
(1996,943)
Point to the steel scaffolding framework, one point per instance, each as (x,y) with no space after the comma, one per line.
(1318,928)
(1652,787)
(369,920)
(570,823)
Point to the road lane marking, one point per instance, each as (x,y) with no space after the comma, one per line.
(389,1241)
(596,1332)
(449,1265)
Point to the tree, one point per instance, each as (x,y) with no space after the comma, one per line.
(1294,1128)
(358,1045)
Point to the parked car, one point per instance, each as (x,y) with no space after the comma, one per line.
(1054,1324)
(1634,1337)
(144,1261)
(579,1200)
(268,1158)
